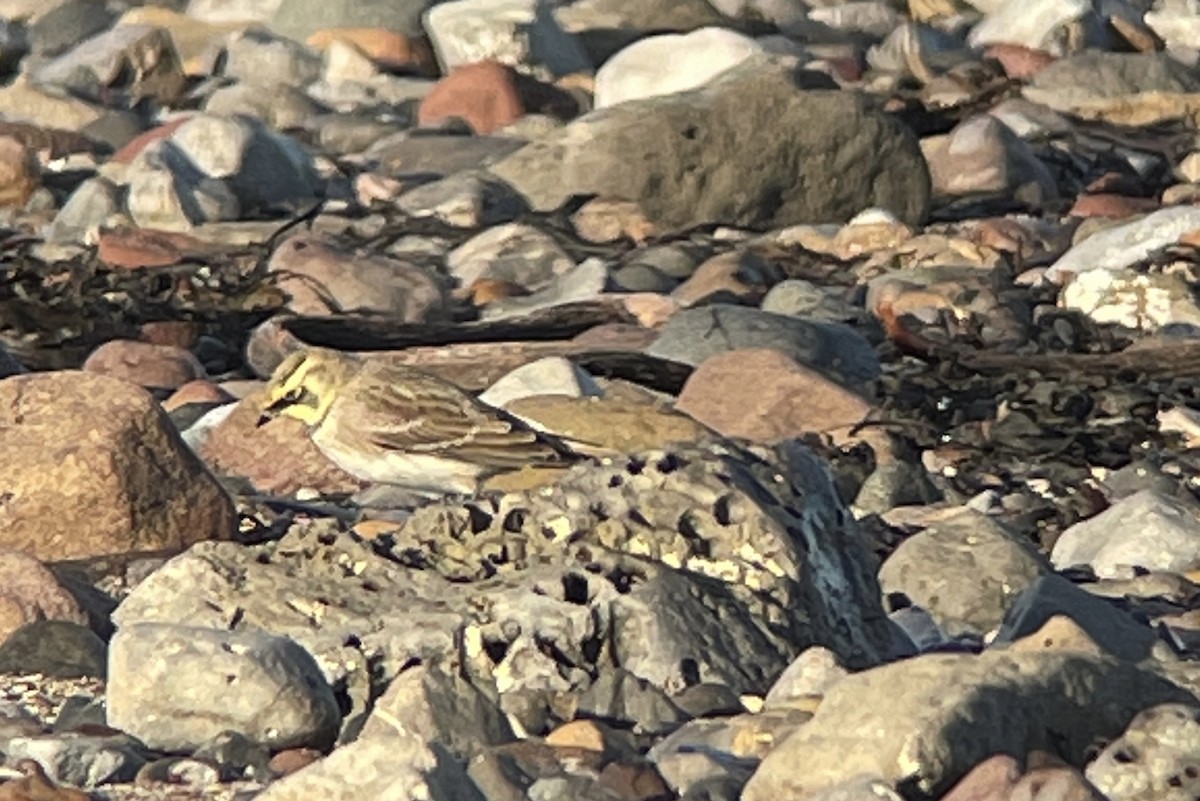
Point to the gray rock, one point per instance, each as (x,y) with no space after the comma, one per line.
(238,756)
(796,297)
(282,107)
(523,33)
(918,721)
(265,60)
(682,567)
(81,760)
(895,483)
(553,375)
(177,686)
(676,261)
(222,11)
(1044,25)
(167,191)
(1093,76)
(142,51)
(1154,759)
(811,673)
(713,155)
(517,253)
(586,281)
(9,365)
(1146,530)
(299,19)
(1124,244)
(624,698)
(88,207)
(707,750)
(966,571)
(983,158)
(68,24)
(466,200)
(693,335)
(1112,628)
(57,648)
(438,155)
(642,278)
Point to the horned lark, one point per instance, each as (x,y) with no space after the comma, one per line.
(389,424)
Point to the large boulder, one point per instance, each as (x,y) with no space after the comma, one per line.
(92,466)
(751,148)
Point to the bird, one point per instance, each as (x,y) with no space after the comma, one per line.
(392,424)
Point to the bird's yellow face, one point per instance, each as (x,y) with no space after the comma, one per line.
(306,384)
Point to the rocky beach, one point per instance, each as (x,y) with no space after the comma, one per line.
(870,329)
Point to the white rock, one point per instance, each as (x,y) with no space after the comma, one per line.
(521,33)
(1147,530)
(553,375)
(199,431)
(1037,23)
(1123,245)
(167,191)
(175,687)
(1146,302)
(1177,22)
(670,63)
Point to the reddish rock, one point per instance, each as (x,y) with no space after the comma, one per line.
(761,394)
(20,172)
(320,279)
(276,457)
(145,364)
(30,592)
(603,220)
(135,248)
(293,759)
(1019,62)
(179,333)
(1112,206)
(387,48)
(35,785)
(991,780)
(92,466)
(489,95)
(140,142)
(199,391)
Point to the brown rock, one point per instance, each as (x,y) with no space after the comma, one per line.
(276,457)
(20,172)
(144,364)
(1059,633)
(991,780)
(385,47)
(36,786)
(92,466)
(649,308)
(603,220)
(29,592)
(762,395)
(198,391)
(293,759)
(634,781)
(1055,784)
(585,734)
(321,279)
(490,290)
(489,95)
(135,248)
(739,276)
(1019,63)
(1112,206)
(178,333)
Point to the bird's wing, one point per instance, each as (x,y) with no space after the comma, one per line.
(400,411)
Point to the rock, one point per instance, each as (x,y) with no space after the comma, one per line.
(9,365)
(175,687)
(982,157)
(911,719)
(300,19)
(58,648)
(520,33)
(1147,302)
(737,276)
(981,568)
(796,297)
(1094,79)
(675,156)
(1045,26)
(36,786)
(439,156)
(167,192)
(751,393)
(267,61)
(20,173)
(96,456)
(488,96)
(30,593)
(810,674)
(147,365)
(321,279)
(1122,245)
(1000,777)
(465,200)
(584,282)
(141,52)
(91,205)
(1153,757)
(80,759)
(1146,530)
(381,45)
(636,72)
(282,108)
(724,750)
(28,102)
(602,220)
(625,698)
(66,25)
(694,335)
(552,375)
(515,252)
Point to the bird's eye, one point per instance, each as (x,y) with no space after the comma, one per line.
(293,394)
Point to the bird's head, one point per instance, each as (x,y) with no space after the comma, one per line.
(305,385)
